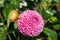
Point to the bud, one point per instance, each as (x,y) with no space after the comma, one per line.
(13,15)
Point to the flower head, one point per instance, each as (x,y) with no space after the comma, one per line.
(31,23)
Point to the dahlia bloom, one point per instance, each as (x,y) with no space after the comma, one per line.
(31,23)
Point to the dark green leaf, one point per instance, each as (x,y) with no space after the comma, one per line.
(57,27)
(52,35)
(2,34)
(7,10)
(45,14)
(15,3)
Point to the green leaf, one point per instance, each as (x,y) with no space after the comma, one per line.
(58,1)
(2,34)
(38,39)
(52,35)
(14,34)
(15,25)
(57,27)
(45,14)
(53,19)
(8,22)
(6,11)
(1,3)
(15,3)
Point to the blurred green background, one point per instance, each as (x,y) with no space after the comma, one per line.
(49,9)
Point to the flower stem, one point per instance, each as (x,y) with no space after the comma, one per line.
(2,19)
(9,36)
(18,37)
(4,26)
(32,38)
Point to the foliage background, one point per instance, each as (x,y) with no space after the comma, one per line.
(49,9)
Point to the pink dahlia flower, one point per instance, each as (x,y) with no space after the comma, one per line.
(31,23)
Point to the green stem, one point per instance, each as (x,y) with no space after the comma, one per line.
(18,34)
(18,37)
(9,36)
(2,19)
(32,38)
(51,7)
(4,26)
